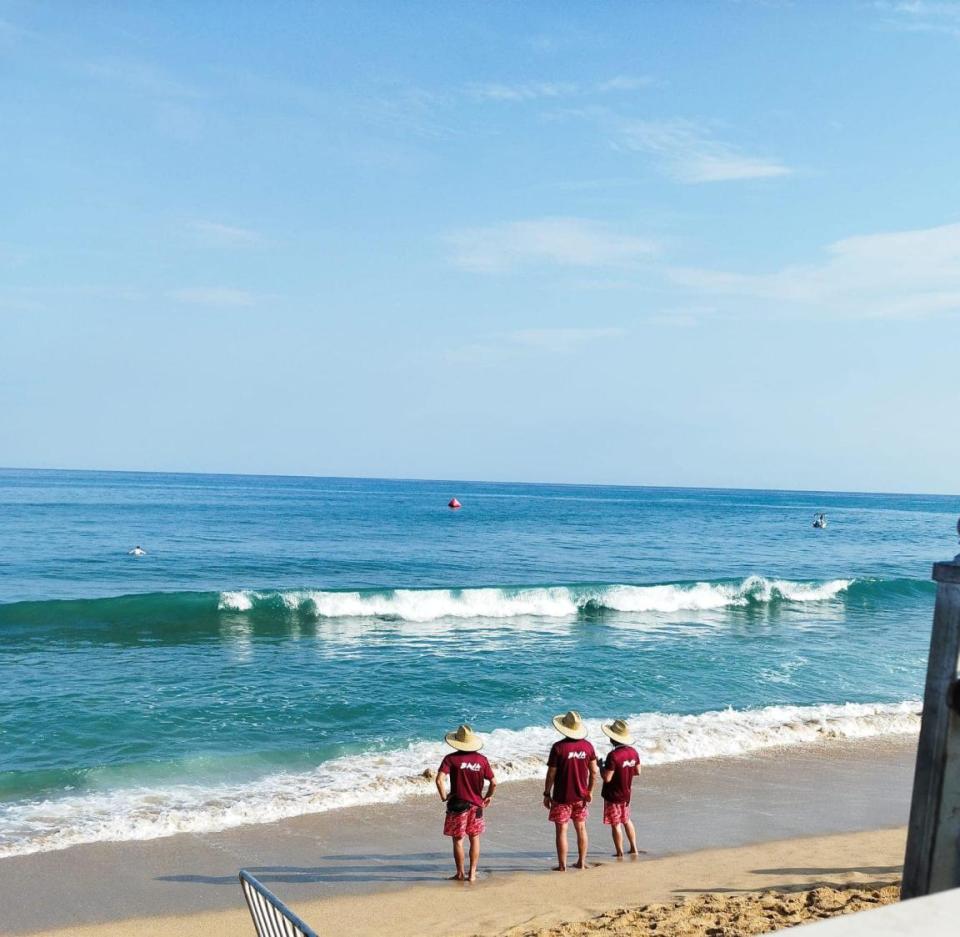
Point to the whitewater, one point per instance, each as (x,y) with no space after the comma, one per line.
(551,601)
(382,777)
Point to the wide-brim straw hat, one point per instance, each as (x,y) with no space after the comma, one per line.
(618,731)
(464,739)
(570,724)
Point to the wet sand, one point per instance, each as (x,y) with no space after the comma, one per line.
(327,865)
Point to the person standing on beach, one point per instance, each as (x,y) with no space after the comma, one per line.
(619,769)
(468,771)
(571,776)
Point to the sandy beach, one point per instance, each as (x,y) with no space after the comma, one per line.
(535,904)
(825,815)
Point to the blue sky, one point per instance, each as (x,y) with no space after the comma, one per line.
(653,243)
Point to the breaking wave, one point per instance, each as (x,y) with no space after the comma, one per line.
(387,776)
(194,611)
(547,601)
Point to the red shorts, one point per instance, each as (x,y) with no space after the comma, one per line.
(564,813)
(615,813)
(463,824)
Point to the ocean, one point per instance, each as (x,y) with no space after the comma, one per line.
(292,645)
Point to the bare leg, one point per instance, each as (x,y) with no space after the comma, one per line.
(474,856)
(561,829)
(458,858)
(632,836)
(617,834)
(581,827)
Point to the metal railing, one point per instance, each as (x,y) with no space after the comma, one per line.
(271,917)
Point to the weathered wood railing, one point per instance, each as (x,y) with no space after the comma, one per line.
(933,840)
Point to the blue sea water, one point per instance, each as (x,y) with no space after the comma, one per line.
(282,634)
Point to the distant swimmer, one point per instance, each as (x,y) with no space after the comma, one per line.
(137,551)
(820,521)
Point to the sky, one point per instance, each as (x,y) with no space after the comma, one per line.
(657,243)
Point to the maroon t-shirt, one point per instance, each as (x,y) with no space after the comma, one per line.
(624,761)
(572,760)
(468,771)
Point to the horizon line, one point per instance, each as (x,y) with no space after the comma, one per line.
(479,481)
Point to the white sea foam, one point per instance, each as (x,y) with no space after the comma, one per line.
(389,776)
(549,602)
(236,601)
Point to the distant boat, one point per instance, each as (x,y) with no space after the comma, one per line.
(820,521)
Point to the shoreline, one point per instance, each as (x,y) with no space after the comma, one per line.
(348,855)
(375,778)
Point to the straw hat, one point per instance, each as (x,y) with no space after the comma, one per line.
(464,739)
(571,725)
(618,731)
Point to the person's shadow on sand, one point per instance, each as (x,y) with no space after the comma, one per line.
(291,875)
(364,869)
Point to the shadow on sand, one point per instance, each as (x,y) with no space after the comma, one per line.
(840,883)
(371,869)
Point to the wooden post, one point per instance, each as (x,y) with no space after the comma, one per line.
(932,861)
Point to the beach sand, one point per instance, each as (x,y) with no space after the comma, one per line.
(712,914)
(535,904)
(829,815)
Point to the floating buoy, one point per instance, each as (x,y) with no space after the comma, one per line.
(454,504)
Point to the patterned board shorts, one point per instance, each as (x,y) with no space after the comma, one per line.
(614,814)
(463,824)
(564,813)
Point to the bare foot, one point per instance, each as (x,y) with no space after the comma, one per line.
(456,878)
(579,864)
(559,868)
(473,877)
(618,855)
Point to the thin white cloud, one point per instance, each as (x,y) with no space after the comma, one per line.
(213,296)
(215,234)
(689,152)
(681,316)
(526,91)
(546,43)
(626,83)
(923,16)
(901,274)
(140,76)
(562,339)
(674,320)
(50,297)
(173,105)
(540,90)
(522,343)
(567,242)
(9,33)
(12,255)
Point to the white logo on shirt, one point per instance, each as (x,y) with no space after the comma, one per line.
(581,755)
(630,764)
(471,766)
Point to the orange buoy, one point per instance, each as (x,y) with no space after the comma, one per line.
(454,504)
